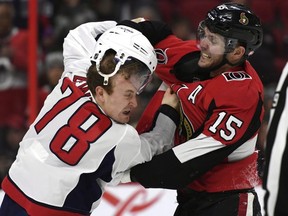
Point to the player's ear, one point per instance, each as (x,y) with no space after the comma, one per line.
(99,93)
(239,51)
(236,54)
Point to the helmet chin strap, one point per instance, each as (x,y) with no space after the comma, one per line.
(216,67)
(225,61)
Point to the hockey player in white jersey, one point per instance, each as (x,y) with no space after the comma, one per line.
(80,141)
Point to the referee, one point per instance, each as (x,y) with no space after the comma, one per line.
(276,168)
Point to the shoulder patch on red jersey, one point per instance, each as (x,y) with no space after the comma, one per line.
(161,56)
(236,76)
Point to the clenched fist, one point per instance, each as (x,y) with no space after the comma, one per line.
(170,98)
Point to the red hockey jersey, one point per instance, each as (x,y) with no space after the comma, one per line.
(215,113)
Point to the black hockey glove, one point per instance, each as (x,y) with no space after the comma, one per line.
(187,69)
(155,31)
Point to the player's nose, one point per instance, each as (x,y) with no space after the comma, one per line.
(133,102)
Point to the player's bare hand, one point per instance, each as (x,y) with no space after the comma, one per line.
(170,98)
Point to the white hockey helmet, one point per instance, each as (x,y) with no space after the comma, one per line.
(128,44)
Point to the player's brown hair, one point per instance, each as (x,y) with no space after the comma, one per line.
(107,66)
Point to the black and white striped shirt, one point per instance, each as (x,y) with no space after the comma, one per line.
(276,168)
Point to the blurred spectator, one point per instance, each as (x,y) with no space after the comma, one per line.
(107,9)
(182,28)
(133,9)
(69,14)
(13,67)
(46,12)
(53,69)
(264,60)
(15,128)
(146,11)
(13,49)
(13,131)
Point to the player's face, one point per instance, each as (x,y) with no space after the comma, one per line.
(122,101)
(212,49)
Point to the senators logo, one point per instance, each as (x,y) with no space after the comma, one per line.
(186,128)
(243,19)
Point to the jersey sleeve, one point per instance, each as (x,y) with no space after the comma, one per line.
(79,45)
(142,148)
(177,167)
(161,137)
(170,52)
(146,120)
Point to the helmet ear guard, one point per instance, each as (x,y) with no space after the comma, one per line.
(120,59)
(128,44)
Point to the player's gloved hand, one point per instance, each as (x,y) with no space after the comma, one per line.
(187,69)
(155,31)
(170,98)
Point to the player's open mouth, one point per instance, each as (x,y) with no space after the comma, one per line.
(204,55)
(126,112)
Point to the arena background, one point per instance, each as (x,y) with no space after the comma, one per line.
(47,22)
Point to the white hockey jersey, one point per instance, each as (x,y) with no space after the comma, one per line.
(73,149)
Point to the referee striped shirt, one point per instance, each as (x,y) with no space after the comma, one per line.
(275,181)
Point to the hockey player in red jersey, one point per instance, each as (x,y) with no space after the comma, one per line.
(221,99)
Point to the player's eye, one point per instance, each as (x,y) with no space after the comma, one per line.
(128,95)
(213,39)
